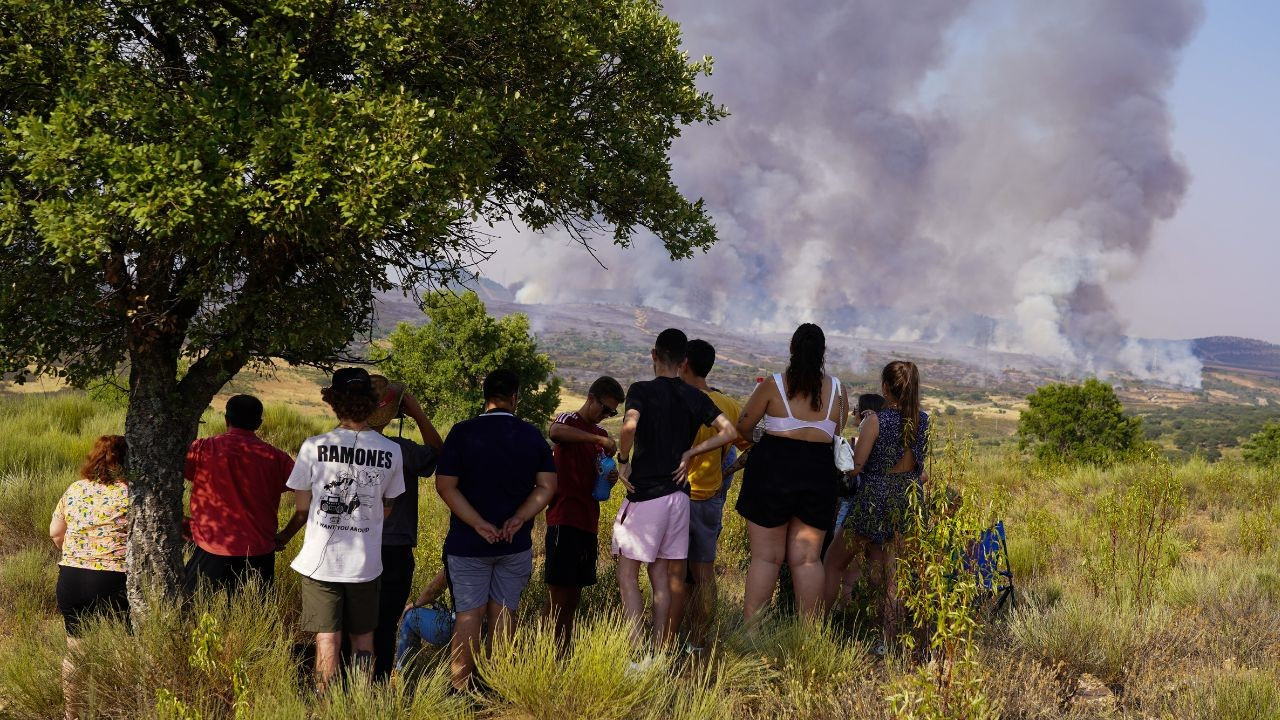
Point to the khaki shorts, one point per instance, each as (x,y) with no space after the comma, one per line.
(339,607)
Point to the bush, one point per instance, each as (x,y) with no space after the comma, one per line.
(1079,424)
(1263,448)
(939,593)
(444,362)
(1130,548)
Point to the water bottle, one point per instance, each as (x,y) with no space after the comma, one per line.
(602,489)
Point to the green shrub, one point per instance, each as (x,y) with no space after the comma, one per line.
(1130,547)
(1256,529)
(938,592)
(1263,448)
(1079,424)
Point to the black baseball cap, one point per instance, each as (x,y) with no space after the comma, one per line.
(352,378)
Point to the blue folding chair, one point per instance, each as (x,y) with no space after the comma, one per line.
(985,559)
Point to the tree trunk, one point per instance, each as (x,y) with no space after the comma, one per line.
(159,427)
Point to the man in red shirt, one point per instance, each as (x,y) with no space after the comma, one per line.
(236,482)
(573,517)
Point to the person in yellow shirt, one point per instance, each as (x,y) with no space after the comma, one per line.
(708,487)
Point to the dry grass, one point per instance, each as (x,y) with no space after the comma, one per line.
(1206,645)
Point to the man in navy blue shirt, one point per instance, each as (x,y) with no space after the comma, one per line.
(496,473)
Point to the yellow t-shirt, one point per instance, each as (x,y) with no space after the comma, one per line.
(705,476)
(97,519)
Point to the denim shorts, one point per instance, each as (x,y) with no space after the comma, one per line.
(706,519)
(474,581)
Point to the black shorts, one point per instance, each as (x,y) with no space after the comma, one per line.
(787,478)
(571,557)
(82,592)
(228,573)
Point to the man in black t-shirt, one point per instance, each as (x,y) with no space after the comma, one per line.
(662,420)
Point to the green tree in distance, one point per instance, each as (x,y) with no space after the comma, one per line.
(1079,424)
(1263,448)
(219,183)
(444,362)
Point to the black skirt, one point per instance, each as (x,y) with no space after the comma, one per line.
(787,478)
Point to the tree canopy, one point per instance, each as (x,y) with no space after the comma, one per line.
(444,361)
(245,176)
(1078,423)
(226,182)
(1263,448)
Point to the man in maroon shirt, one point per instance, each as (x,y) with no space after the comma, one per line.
(236,482)
(573,517)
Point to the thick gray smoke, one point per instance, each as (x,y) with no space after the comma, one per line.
(974,173)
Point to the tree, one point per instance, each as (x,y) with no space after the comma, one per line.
(1263,447)
(225,182)
(444,362)
(1078,423)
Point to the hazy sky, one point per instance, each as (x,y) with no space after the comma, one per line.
(1215,268)
(1210,270)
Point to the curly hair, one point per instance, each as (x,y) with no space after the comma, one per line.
(350,404)
(106,461)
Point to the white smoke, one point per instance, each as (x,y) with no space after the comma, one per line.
(944,171)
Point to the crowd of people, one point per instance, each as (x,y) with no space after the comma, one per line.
(355,498)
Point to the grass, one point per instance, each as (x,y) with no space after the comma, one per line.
(1205,644)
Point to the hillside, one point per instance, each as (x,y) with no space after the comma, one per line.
(982,391)
(1235,354)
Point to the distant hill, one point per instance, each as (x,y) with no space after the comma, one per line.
(586,339)
(1239,354)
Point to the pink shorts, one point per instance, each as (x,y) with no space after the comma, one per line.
(653,529)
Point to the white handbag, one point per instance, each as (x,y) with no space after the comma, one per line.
(840,446)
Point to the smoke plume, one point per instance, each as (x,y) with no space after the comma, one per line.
(969,172)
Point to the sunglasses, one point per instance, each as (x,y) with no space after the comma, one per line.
(605,409)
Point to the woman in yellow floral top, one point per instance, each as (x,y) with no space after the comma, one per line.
(91,527)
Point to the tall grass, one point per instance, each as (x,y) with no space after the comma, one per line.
(1084,636)
(1204,642)
(593,679)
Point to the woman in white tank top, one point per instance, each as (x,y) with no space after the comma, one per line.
(789,489)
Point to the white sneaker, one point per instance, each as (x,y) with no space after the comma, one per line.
(641,666)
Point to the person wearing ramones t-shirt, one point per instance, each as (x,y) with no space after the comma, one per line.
(661,422)
(344,482)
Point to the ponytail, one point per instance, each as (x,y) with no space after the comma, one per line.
(902,378)
(804,371)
